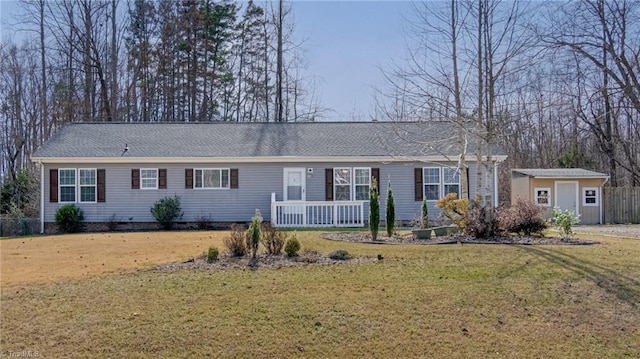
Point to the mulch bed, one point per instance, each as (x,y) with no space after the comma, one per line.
(227,262)
(365,237)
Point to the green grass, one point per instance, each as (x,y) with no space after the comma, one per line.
(453,301)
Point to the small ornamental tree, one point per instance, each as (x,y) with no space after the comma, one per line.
(374,210)
(391,212)
(424,217)
(253,236)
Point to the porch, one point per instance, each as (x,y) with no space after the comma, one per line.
(317,213)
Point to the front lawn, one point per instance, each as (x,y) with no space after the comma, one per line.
(447,301)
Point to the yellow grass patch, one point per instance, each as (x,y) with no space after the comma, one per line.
(75,256)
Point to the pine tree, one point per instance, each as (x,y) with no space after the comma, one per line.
(374,210)
(391,212)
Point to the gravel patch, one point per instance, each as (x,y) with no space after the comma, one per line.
(617,230)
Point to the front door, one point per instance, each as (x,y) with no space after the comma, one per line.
(294,184)
(294,191)
(567,196)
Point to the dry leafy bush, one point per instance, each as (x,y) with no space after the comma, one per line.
(272,238)
(523,218)
(236,243)
(481,222)
(457,210)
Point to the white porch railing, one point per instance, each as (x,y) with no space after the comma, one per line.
(317,213)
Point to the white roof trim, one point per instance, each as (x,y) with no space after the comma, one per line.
(272,159)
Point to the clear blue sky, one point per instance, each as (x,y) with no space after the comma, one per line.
(345,43)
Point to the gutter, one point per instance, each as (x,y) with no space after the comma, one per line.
(601,194)
(41,197)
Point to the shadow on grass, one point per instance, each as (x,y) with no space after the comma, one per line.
(625,288)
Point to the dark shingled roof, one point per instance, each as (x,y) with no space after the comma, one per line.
(246,140)
(559,173)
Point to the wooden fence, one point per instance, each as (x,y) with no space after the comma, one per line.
(621,205)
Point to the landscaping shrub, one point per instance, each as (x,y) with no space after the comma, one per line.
(292,246)
(69,218)
(166,211)
(340,255)
(253,235)
(480,222)
(391,212)
(112,223)
(272,238)
(203,221)
(374,210)
(212,254)
(523,218)
(455,209)
(236,243)
(564,220)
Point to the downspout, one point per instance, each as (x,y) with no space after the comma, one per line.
(41,197)
(496,200)
(601,194)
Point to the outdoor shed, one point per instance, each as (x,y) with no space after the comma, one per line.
(574,189)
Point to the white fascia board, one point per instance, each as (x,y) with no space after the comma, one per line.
(272,159)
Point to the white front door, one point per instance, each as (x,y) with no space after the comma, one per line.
(294,184)
(567,196)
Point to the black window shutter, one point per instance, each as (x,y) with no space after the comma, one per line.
(328,184)
(188,178)
(417,174)
(162,178)
(53,186)
(233,176)
(135,179)
(101,182)
(375,173)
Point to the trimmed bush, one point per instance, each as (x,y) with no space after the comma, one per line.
(272,238)
(292,246)
(166,211)
(374,210)
(340,255)
(236,243)
(69,218)
(212,254)
(523,218)
(391,212)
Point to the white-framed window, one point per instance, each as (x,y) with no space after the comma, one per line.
(590,196)
(542,196)
(351,184)
(87,184)
(362,182)
(432,180)
(451,180)
(148,178)
(342,183)
(67,185)
(440,181)
(211,178)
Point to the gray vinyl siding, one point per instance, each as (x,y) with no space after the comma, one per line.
(256,183)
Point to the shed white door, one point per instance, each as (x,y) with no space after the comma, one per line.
(567,195)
